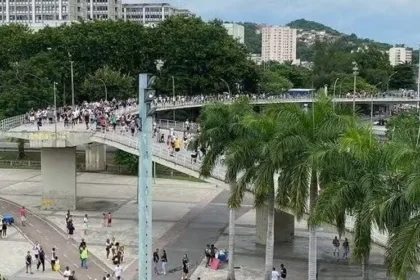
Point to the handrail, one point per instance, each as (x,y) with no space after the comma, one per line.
(16,121)
(162,151)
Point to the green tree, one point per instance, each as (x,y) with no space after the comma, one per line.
(296,146)
(198,55)
(127,159)
(355,176)
(257,137)
(299,76)
(273,82)
(109,82)
(220,125)
(404,77)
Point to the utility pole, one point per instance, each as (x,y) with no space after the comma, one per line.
(355,73)
(418,86)
(145,178)
(55,109)
(173,94)
(72,83)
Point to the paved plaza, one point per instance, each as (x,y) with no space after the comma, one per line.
(186,216)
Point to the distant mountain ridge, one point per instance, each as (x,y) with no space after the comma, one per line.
(312,25)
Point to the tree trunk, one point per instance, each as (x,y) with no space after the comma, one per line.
(365,269)
(232,227)
(21,149)
(269,249)
(312,254)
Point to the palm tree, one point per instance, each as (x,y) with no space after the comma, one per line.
(295,146)
(255,142)
(220,125)
(356,179)
(397,210)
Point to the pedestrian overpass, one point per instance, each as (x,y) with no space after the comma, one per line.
(58,163)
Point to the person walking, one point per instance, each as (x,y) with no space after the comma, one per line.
(164,260)
(336,248)
(117,271)
(4,229)
(53,258)
(85,224)
(275,275)
(185,267)
(67,272)
(346,248)
(207,253)
(70,231)
(22,213)
(41,259)
(108,246)
(73,275)
(283,272)
(84,257)
(156,261)
(28,262)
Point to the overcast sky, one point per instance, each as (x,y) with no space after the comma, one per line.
(390,21)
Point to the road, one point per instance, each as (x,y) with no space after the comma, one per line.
(48,235)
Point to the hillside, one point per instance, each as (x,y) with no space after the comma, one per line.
(310,29)
(312,25)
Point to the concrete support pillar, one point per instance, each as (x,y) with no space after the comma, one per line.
(58,170)
(284,226)
(96,157)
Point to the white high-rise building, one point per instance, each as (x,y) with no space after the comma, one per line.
(235,30)
(278,44)
(400,56)
(40,13)
(152,13)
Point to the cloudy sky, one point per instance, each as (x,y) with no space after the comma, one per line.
(391,21)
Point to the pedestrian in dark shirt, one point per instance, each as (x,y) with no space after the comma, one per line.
(41,259)
(28,262)
(156,261)
(283,272)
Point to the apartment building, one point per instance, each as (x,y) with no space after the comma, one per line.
(235,30)
(151,13)
(278,43)
(400,56)
(41,13)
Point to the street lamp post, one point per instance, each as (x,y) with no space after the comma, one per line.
(355,73)
(418,87)
(371,104)
(226,83)
(173,95)
(389,79)
(335,84)
(55,108)
(145,177)
(72,83)
(106,91)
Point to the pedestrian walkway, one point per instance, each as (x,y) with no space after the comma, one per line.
(202,225)
(49,236)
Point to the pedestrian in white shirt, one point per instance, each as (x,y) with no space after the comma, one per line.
(117,271)
(275,275)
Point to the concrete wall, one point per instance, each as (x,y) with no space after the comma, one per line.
(95,157)
(284,226)
(58,170)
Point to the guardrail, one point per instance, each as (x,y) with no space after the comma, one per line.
(162,151)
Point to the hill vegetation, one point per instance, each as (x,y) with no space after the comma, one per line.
(312,25)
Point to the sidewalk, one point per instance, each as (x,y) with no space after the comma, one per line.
(48,236)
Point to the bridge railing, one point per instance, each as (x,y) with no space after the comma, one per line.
(12,122)
(161,150)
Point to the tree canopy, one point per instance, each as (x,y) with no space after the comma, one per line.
(198,54)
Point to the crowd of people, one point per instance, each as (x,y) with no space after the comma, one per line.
(95,115)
